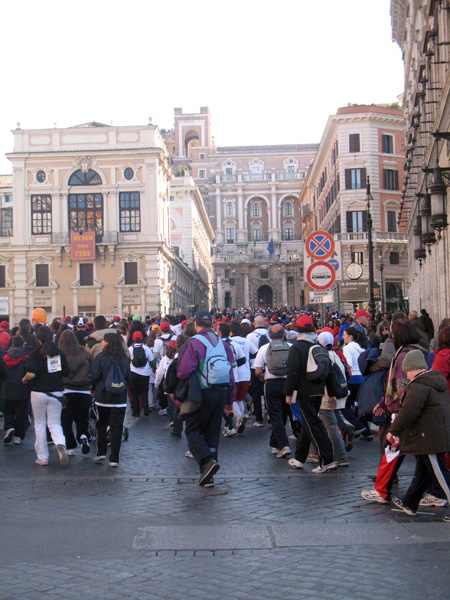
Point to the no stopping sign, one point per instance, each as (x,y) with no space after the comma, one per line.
(321,275)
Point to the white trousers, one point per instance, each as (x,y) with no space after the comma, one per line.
(46,413)
(238,409)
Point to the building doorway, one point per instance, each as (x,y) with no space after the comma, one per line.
(265,296)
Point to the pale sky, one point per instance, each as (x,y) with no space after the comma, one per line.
(271,72)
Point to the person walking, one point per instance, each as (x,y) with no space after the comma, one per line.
(46,367)
(16,394)
(204,424)
(77,390)
(111,405)
(141,357)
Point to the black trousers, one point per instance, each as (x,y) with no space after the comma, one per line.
(256,391)
(203,427)
(313,432)
(76,411)
(278,412)
(16,416)
(113,417)
(429,468)
(139,391)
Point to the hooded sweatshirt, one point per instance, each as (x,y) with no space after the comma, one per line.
(16,361)
(351,352)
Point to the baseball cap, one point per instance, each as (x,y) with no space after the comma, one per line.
(325,338)
(165,326)
(204,315)
(362,313)
(325,330)
(136,318)
(155,327)
(81,322)
(137,336)
(4,324)
(341,317)
(172,344)
(245,321)
(183,323)
(305,322)
(116,319)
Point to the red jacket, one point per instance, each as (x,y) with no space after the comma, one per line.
(4,338)
(442,363)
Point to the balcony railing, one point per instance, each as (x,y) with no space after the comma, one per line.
(62,238)
(379,236)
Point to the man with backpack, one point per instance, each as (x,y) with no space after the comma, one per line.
(241,373)
(162,342)
(259,338)
(211,360)
(308,372)
(141,356)
(271,367)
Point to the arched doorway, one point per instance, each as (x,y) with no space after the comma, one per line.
(265,296)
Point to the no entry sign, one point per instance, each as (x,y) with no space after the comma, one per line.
(321,275)
(319,245)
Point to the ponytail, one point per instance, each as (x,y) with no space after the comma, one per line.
(45,338)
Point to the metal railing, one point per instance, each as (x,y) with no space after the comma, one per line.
(62,238)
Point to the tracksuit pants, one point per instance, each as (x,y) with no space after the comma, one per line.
(313,432)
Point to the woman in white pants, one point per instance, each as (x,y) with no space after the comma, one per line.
(46,367)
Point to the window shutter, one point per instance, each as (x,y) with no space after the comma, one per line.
(41,275)
(364,220)
(2,276)
(349,222)
(395,180)
(363,178)
(131,273)
(348,179)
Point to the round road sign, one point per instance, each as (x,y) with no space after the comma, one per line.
(319,245)
(321,275)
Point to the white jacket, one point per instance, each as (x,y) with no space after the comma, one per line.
(351,352)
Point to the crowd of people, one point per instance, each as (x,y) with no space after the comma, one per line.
(350,377)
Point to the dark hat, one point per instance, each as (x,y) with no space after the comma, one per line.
(204,315)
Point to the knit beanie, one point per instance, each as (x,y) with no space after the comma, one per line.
(414,361)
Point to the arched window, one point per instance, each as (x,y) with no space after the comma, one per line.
(288,209)
(89,178)
(229,209)
(255,210)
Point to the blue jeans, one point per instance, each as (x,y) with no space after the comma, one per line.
(329,420)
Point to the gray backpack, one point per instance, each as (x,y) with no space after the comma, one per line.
(277,357)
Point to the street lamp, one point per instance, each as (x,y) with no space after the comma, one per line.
(382,282)
(369,197)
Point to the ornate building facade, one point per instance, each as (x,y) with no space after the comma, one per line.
(251,196)
(422,30)
(113,181)
(360,142)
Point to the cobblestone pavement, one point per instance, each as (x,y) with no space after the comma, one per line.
(147,530)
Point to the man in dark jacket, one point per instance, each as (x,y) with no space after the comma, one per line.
(309,398)
(423,426)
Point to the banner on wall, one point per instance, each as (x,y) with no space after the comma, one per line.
(82,246)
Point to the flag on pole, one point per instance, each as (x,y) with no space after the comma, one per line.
(254,244)
(270,246)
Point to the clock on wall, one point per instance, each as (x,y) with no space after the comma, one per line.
(354,270)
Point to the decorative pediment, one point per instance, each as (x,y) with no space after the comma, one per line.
(96,285)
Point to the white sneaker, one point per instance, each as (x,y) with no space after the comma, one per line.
(258,424)
(188,454)
(373,496)
(313,458)
(71,452)
(17,441)
(284,452)
(9,435)
(274,450)
(229,432)
(295,464)
(430,500)
(329,467)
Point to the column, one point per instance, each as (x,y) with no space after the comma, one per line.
(98,302)
(246,295)
(220,297)
(75,301)
(284,286)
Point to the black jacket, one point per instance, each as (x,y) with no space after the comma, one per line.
(45,381)
(99,371)
(15,362)
(296,371)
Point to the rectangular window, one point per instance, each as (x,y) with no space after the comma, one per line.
(2,276)
(230,235)
(355,179)
(358,257)
(172,198)
(41,275)
(130,211)
(291,169)
(289,234)
(131,273)
(202,173)
(41,215)
(390,179)
(394,258)
(353,143)
(86,273)
(227,273)
(256,235)
(255,210)
(6,222)
(356,221)
(391,220)
(202,156)
(264,273)
(229,171)
(387,144)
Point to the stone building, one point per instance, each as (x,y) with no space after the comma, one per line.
(112,181)
(422,30)
(251,196)
(360,142)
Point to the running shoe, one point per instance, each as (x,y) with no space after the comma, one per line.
(329,467)
(373,496)
(399,504)
(430,500)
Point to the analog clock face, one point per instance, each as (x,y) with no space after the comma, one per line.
(354,270)
(40,176)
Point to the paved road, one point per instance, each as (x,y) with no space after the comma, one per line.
(147,530)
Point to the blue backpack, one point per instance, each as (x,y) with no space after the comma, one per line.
(215,369)
(115,382)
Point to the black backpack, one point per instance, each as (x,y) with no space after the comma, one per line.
(263,340)
(318,365)
(342,385)
(115,381)
(171,380)
(139,356)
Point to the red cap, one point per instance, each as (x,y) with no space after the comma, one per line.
(165,326)
(4,324)
(226,319)
(362,313)
(172,344)
(266,321)
(137,336)
(305,321)
(116,319)
(183,323)
(328,329)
